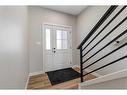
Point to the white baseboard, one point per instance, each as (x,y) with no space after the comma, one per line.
(36,73)
(27,82)
(88,70)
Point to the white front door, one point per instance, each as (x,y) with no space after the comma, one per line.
(57,47)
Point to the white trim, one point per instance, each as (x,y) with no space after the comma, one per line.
(88,70)
(36,73)
(27,82)
(108,77)
(43,50)
(66,26)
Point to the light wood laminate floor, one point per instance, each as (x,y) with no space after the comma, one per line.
(41,81)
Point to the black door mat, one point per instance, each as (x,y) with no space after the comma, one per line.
(62,75)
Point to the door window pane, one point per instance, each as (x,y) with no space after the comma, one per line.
(61,39)
(59,34)
(48,43)
(64,35)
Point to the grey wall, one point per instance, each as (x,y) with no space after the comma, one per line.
(38,16)
(85,22)
(14,68)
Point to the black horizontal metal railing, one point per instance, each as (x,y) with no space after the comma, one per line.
(106,35)
(106,45)
(99,23)
(107,65)
(105,55)
(105,27)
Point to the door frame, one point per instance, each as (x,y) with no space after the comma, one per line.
(43,41)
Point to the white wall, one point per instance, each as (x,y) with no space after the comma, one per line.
(38,16)
(85,22)
(13,47)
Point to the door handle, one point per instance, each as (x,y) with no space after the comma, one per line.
(53,50)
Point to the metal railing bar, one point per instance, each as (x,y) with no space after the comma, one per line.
(107,44)
(105,55)
(104,27)
(81,65)
(99,23)
(106,35)
(107,65)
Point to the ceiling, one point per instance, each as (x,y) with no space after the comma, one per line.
(73,10)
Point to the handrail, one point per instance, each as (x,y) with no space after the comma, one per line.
(105,27)
(107,35)
(82,47)
(99,23)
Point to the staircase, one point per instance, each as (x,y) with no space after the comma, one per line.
(119,41)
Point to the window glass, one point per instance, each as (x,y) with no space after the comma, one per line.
(48,43)
(61,39)
(64,35)
(59,34)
